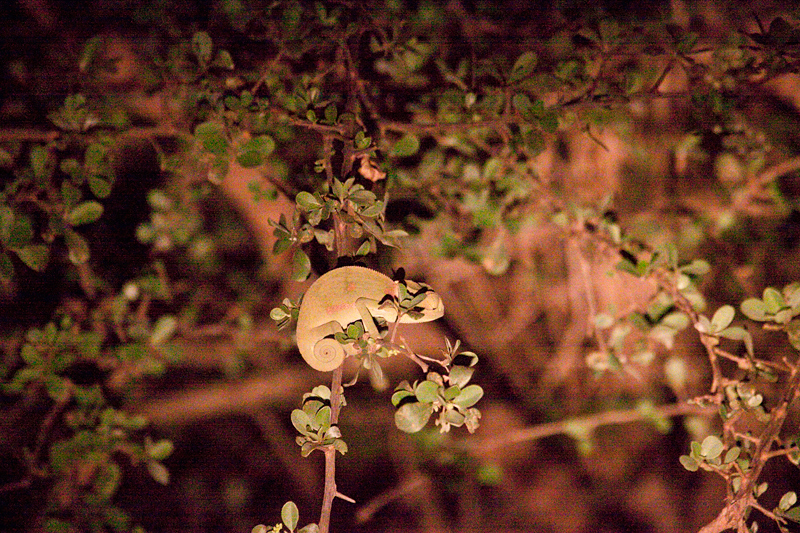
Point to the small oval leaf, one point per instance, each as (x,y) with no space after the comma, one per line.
(469,396)
(711,448)
(754,309)
(412,417)
(84,213)
(427,391)
(35,256)
(722,318)
(307,201)
(408,145)
(301,266)
(78,247)
(290,515)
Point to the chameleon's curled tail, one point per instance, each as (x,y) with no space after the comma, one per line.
(328,355)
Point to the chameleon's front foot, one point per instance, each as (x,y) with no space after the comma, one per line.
(328,355)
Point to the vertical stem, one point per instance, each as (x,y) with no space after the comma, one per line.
(330,454)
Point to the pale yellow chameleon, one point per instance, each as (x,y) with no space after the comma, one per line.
(342,296)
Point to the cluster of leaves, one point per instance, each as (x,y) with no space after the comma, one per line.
(469,127)
(450,395)
(47,197)
(358,208)
(82,463)
(367,349)
(739,454)
(313,422)
(290,515)
(635,338)
(733,466)
(236,124)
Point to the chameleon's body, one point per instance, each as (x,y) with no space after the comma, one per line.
(345,295)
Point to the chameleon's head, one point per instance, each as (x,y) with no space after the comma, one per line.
(432,305)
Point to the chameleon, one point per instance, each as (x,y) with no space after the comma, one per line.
(344,295)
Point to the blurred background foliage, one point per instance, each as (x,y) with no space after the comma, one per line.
(146,145)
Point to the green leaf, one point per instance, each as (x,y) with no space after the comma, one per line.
(523,67)
(22,377)
(355,330)
(107,480)
(20,232)
(223,60)
(301,266)
(163,329)
(793,514)
(523,104)
(626,265)
(773,300)
(732,454)
(290,515)
(95,157)
(58,388)
(331,114)
(469,396)
(451,393)
(158,472)
(401,395)
(427,391)
(84,213)
(307,201)
(70,194)
(722,318)
(698,267)
(255,151)
(754,309)
(412,417)
(41,164)
(548,120)
(689,463)
(250,159)
(160,450)
(408,145)
(35,256)
(739,334)
(6,223)
(77,246)
(277,314)
(322,420)
(100,187)
(54,525)
(6,267)
(310,407)
(212,137)
(460,375)
(711,447)
(301,421)
(361,140)
(202,46)
(364,249)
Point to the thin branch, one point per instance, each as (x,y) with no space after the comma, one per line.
(413,484)
(589,423)
(30,135)
(330,454)
(735,512)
